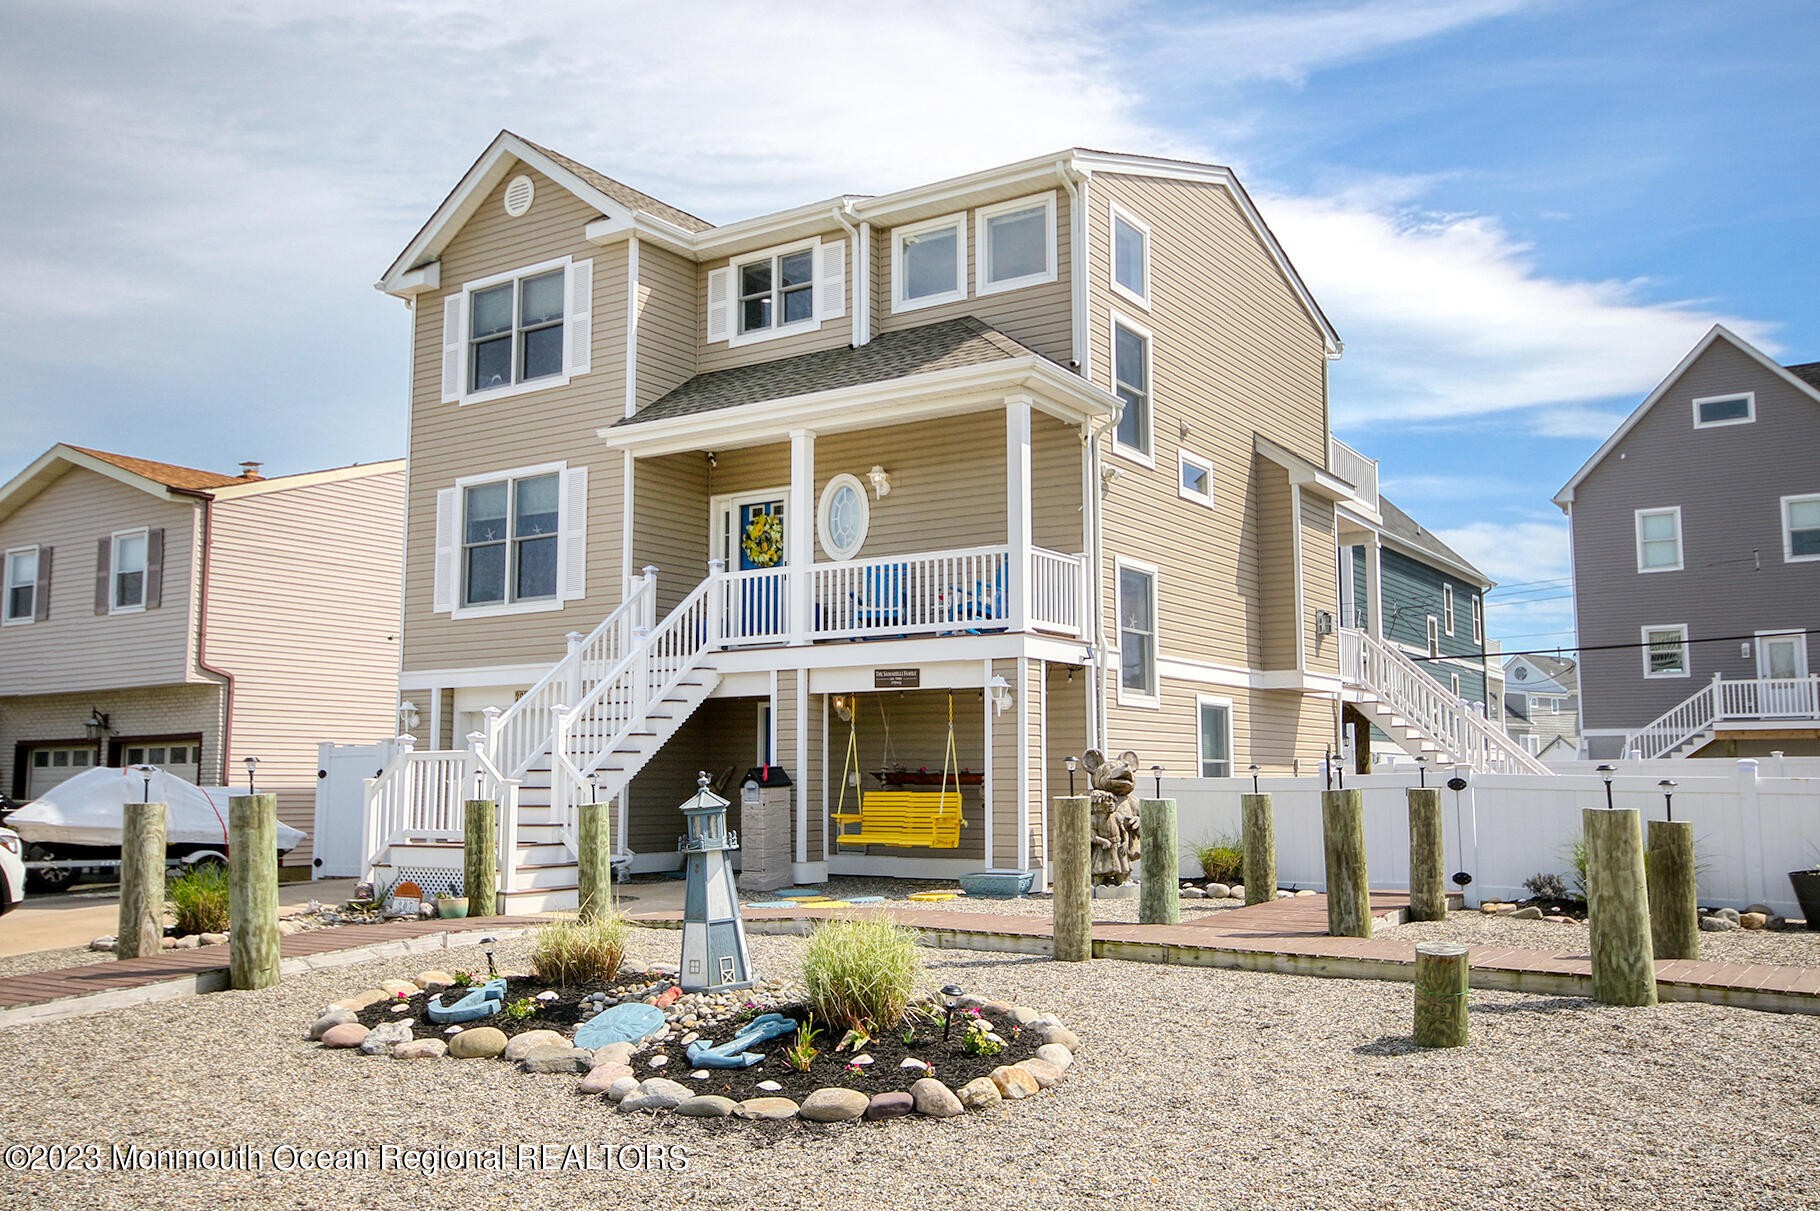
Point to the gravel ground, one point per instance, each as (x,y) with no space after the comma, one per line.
(1795,948)
(1193,1088)
(50,960)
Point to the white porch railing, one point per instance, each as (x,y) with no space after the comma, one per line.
(944,591)
(1058,592)
(415,795)
(1464,736)
(1354,468)
(1727,700)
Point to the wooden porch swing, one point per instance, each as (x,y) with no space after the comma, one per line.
(931,819)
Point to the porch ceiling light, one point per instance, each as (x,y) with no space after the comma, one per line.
(881,481)
(1000,691)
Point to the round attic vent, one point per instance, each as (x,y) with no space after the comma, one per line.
(518,195)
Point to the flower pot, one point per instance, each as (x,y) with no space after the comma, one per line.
(454,906)
(1807,891)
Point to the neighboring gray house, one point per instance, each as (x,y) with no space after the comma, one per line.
(1696,554)
(1542,705)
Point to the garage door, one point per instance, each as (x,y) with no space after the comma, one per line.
(52,764)
(179,759)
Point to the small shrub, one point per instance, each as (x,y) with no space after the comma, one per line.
(1221,858)
(862,974)
(463,978)
(1546,886)
(580,952)
(519,1010)
(199,899)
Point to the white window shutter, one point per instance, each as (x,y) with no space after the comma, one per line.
(572,554)
(831,279)
(453,310)
(446,507)
(720,304)
(580,320)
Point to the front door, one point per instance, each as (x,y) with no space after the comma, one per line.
(752,540)
(1782,659)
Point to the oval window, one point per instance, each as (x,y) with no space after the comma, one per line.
(844,516)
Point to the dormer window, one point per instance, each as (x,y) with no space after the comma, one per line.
(777,291)
(1016,243)
(930,263)
(1716,410)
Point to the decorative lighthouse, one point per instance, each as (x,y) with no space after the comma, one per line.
(714,954)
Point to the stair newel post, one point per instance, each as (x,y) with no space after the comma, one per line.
(508,835)
(489,730)
(562,722)
(573,658)
(650,602)
(641,673)
(717,603)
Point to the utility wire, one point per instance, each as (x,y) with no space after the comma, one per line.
(1622,647)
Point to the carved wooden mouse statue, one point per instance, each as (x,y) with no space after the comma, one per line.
(1115,815)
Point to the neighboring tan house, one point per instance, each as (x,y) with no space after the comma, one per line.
(188,619)
(1042,451)
(1542,705)
(1696,554)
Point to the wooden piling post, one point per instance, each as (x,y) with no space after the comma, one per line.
(1160,894)
(1617,904)
(141,926)
(1427,856)
(1259,842)
(1348,893)
(253,891)
(1071,903)
(1674,911)
(594,880)
(480,857)
(1441,978)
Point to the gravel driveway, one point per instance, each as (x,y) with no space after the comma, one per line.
(1195,1088)
(1795,948)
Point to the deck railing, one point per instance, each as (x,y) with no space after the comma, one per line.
(1726,700)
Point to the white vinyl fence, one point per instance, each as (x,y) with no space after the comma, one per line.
(1753,823)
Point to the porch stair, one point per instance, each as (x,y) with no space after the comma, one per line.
(1416,711)
(1690,725)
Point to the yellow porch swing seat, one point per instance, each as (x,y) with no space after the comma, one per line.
(931,819)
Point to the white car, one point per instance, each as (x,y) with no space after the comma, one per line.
(12,871)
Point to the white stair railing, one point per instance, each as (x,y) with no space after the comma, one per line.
(1757,699)
(1445,720)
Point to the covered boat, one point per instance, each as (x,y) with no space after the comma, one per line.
(84,813)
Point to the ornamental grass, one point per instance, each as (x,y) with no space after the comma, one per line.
(862,974)
(580,952)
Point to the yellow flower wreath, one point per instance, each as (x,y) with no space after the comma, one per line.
(764,541)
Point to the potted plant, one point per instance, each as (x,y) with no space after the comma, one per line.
(1807,890)
(448,907)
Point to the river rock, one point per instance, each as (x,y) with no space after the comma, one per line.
(1193,893)
(613,1053)
(1015,1083)
(1753,920)
(478,1043)
(346,1034)
(213,939)
(1765,909)
(362,1000)
(421,1049)
(334,1017)
(600,1077)
(400,988)
(656,1093)
(381,1039)
(834,1105)
(1236,891)
(1219,891)
(1730,914)
(707,1105)
(435,981)
(890,1105)
(932,1098)
(622,1089)
(105,942)
(1059,1035)
(1527,913)
(1046,1074)
(555,1057)
(1023,1015)
(522,1045)
(766,1108)
(980,1093)
(1056,1054)
(1717,924)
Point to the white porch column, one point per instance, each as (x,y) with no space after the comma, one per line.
(799,534)
(1373,596)
(1017,511)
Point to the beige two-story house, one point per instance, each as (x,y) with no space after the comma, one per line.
(189,619)
(912,495)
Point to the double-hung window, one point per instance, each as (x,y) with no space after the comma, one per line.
(21,585)
(1137,632)
(1434,635)
(1447,607)
(1016,243)
(1715,410)
(929,263)
(509,540)
(1665,651)
(1478,618)
(128,572)
(777,291)
(1130,257)
(1131,382)
(1216,738)
(515,332)
(1801,528)
(1659,540)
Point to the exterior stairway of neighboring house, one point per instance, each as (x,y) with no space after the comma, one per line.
(581,734)
(1417,712)
(1689,726)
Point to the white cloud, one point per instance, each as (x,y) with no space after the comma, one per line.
(1529,559)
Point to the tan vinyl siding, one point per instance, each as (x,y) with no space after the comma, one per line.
(670,523)
(1321,584)
(303,611)
(1274,728)
(910,728)
(75,649)
(1056,455)
(1273,623)
(1039,316)
(720,355)
(1007,809)
(752,469)
(947,482)
(1065,703)
(449,441)
(1031,690)
(668,321)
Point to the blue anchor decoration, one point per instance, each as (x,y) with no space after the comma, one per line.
(484,1001)
(733,1053)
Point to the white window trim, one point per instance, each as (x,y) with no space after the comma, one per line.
(1478,619)
(898,234)
(1201,702)
(821,517)
(469,396)
(1680,547)
(982,247)
(1130,697)
(1453,683)
(1119,448)
(1183,460)
(1120,215)
(113,563)
(542,604)
(1750,409)
(7,586)
(1788,527)
(1687,657)
(736,338)
(1434,637)
(1447,618)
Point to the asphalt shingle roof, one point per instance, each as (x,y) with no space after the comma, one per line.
(1407,528)
(1807,372)
(168,474)
(944,346)
(624,194)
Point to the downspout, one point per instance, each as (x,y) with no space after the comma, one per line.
(202,628)
(1075,183)
(1098,724)
(862,272)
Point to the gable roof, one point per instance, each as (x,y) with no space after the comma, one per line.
(632,199)
(1558,669)
(1807,372)
(1409,532)
(966,341)
(1802,382)
(168,474)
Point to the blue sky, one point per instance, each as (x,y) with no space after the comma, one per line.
(1518,214)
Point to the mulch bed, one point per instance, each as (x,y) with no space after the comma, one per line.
(562,1015)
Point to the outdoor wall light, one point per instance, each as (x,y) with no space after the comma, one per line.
(1000,690)
(97,725)
(408,717)
(251,763)
(881,481)
(1073,763)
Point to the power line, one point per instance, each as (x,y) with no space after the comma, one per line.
(1620,647)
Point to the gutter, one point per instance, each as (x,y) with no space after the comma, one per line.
(202,627)
(861,276)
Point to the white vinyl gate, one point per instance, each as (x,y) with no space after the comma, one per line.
(340,801)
